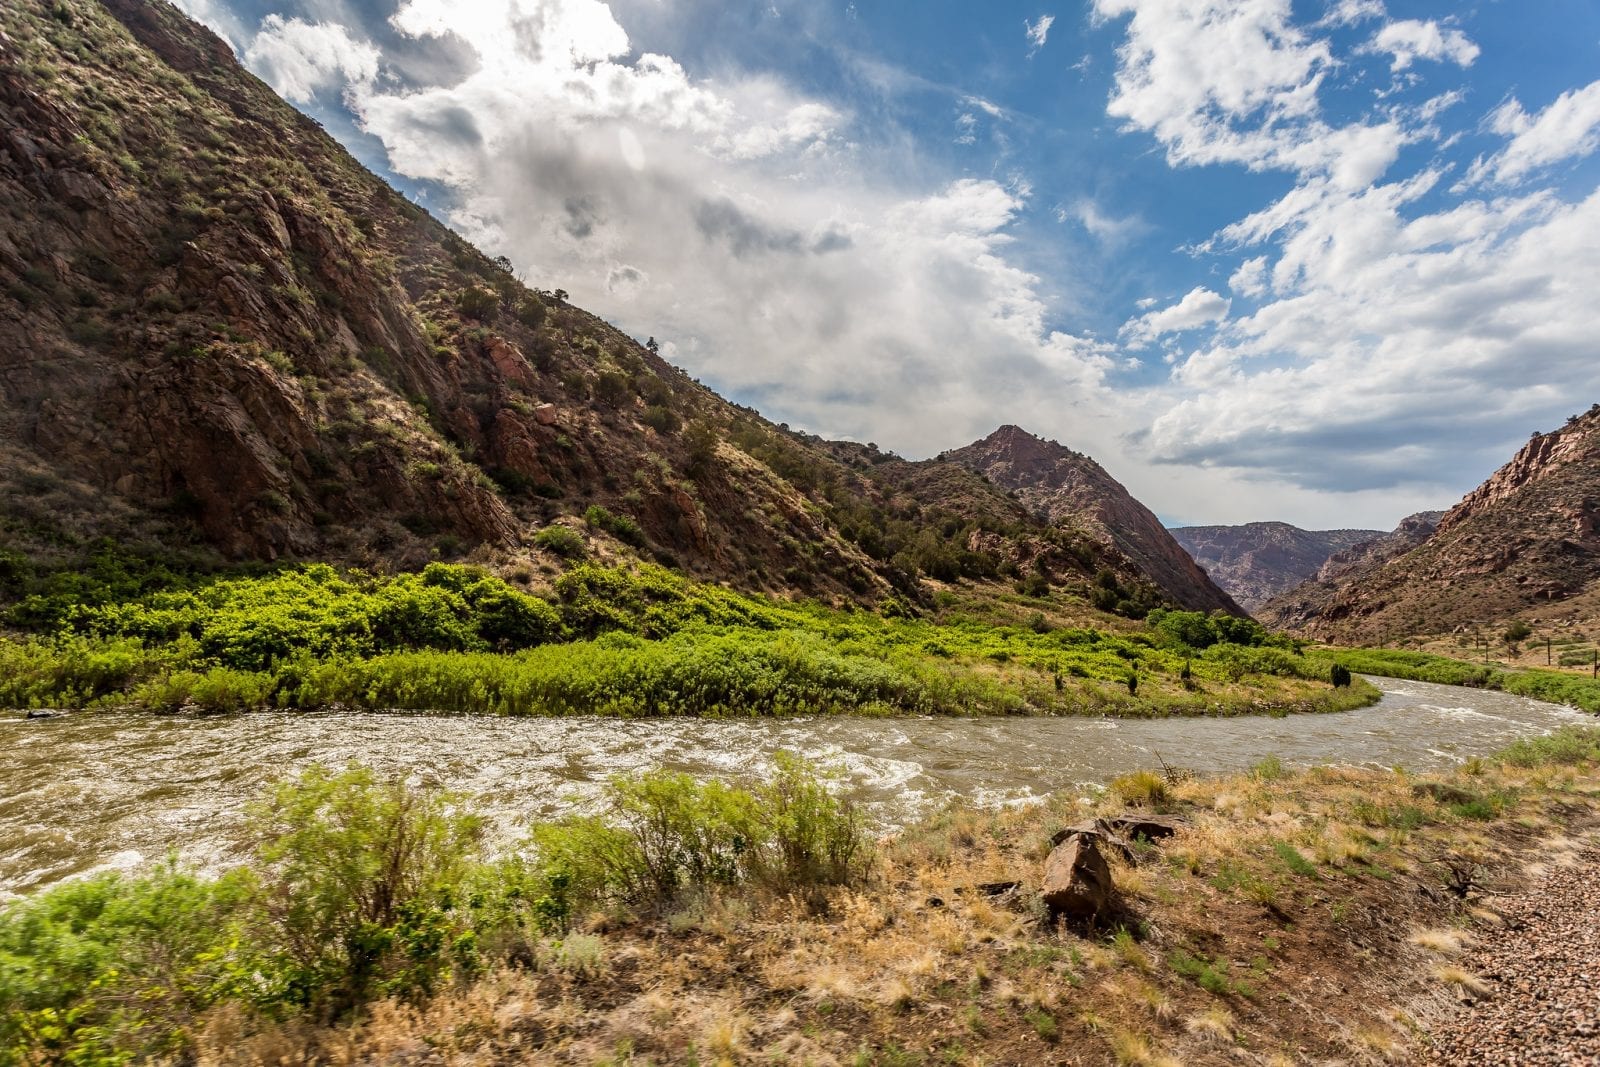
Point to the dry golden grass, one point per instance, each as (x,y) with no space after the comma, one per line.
(973,977)
(1464,979)
(1446,942)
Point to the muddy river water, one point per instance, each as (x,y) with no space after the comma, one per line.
(96,790)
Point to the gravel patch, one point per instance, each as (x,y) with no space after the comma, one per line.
(1542,970)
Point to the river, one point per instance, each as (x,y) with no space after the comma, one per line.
(93,791)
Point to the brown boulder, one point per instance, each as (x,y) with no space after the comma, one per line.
(1077,879)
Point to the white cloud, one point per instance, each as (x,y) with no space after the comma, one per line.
(1409,40)
(1251,277)
(1038,32)
(300,59)
(1568,129)
(741,223)
(1402,348)
(1199,307)
(1103,226)
(1236,81)
(1349,12)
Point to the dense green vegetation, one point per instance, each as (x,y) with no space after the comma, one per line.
(362,889)
(1558,687)
(611,641)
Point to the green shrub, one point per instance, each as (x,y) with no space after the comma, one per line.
(564,541)
(477,302)
(666,833)
(1567,746)
(621,527)
(111,969)
(358,877)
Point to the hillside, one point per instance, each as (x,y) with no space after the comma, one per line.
(1256,561)
(1069,489)
(1523,542)
(220,334)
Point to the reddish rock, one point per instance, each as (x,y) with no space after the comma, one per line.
(1077,879)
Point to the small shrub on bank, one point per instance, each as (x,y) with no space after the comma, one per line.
(1141,788)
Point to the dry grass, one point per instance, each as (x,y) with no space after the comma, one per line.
(920,967)
(1465,980)
(1448,942)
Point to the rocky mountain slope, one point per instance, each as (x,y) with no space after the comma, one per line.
(1258,560)
(1067,488)
(1524,540)
(218,330)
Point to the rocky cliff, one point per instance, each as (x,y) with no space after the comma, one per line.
(218,330)
(1066,488)
(1524,540)
(1256,561)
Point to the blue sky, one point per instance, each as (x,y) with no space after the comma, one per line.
(1326,262)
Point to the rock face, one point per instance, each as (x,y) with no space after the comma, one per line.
(1524,540)
(1067,488)
(1077,879)
(1259,560)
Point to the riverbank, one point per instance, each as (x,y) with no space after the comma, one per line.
(629,642)
(1574,688)
(1243,931)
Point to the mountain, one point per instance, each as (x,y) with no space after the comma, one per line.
(220,334)
(1257,561)
(1069,489)
(1524,541)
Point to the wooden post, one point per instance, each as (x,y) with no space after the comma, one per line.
(1547,652)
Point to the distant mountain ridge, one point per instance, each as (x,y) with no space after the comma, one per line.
(1256,561)
(1525,539)
(1066,487)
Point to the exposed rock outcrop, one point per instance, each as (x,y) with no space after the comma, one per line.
(1067,488)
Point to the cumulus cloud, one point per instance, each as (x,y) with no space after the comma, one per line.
(742,223)
(1251,277)
(300,59)
(1237,81)
(1409,40)
(1038,32)
(1199,307)
(1568,129)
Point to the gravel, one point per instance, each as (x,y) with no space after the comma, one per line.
(1543,970)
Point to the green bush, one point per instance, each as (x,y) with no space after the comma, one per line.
(357,886)
(564,541)
(111,969)
(1567,746)
(621,527)
(666,833)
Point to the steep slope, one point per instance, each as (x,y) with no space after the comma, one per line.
(218,330)
(1066,488)
(1293,608)
(1258,560)
(1524,540)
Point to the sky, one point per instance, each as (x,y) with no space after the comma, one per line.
(1329,262)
